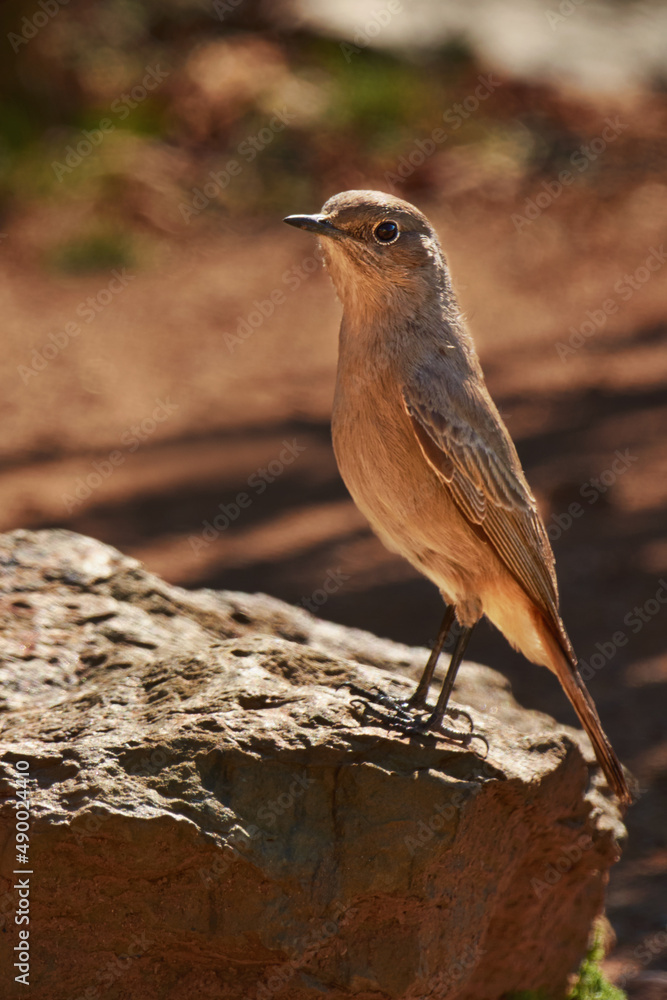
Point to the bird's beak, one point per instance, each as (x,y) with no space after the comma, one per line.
(315,224)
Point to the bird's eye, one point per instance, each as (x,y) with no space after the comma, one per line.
(386,232)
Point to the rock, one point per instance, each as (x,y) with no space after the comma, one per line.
(211,817)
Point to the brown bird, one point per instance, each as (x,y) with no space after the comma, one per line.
(424,452)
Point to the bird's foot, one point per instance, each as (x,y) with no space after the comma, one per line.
(408,710)
(402,718)
(376,696)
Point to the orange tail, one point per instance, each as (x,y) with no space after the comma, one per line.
(573,684)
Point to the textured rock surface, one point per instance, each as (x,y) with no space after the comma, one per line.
(212,819)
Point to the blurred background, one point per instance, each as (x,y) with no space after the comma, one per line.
(169,347)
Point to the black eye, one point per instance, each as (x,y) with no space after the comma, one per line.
(386,232)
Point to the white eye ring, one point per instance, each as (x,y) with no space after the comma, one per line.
(391,230)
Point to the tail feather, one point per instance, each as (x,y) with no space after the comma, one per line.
(572,682)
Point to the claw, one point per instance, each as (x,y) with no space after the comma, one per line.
(465,738)
(403,721)
(410,726)
(402,709)
(458,713)
(376,696)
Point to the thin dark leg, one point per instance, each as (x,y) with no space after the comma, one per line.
(457,656)
(418,699)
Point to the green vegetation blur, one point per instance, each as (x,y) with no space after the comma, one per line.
(127,115)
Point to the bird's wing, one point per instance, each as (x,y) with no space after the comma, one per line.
(469,448)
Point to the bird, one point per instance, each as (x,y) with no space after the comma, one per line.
(425,454)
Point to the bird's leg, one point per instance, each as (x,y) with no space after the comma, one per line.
(418,699)
(435,720)
(408,724)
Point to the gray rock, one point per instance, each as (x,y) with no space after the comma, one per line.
(213,817)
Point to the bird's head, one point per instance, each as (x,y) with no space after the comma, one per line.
(375,246)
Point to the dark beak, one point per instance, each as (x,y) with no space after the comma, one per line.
(315,224)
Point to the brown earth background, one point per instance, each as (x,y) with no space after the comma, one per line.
(169,393)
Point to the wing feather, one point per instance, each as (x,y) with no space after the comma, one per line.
(471,451)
